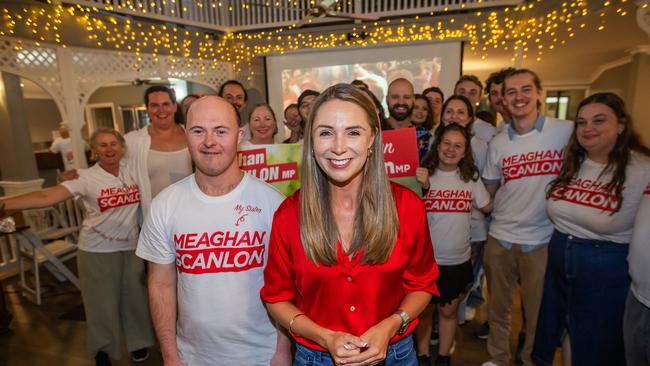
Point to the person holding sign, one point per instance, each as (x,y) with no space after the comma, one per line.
(453,188)
(112,286)
(351,263)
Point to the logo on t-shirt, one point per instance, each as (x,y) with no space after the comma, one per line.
(544,162)
(448,200)
(219,251)
(590,193)
(118,196)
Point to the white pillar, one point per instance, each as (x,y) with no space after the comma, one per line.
(74,112)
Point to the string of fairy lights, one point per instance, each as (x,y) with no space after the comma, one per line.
(531,28)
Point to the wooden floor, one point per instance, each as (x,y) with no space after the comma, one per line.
(49,334)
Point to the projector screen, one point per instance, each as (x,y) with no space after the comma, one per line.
(427,64)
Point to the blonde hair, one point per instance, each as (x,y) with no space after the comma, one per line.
(376,223)
(104,131)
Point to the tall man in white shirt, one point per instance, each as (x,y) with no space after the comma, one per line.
(471,88)
(206,239)
(520,163)
(158,152)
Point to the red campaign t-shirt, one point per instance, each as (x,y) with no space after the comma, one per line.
(350,296)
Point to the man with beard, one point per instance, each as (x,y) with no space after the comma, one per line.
(205,238)
(400,100)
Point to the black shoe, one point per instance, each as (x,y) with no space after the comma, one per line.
(140,355)
(443,360)
(482,331)
(101,359)
(424,360)
(520,347)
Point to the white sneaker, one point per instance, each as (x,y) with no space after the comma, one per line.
(470,313)
(489,363)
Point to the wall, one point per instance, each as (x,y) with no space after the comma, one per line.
(43,117)
(632,82)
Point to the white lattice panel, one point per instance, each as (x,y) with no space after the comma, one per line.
(38,64)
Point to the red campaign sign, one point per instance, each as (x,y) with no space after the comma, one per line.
(400,152)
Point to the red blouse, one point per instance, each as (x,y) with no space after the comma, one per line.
(350,296)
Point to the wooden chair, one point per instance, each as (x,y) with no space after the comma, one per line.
(50,240)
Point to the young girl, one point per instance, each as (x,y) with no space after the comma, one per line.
(422,119)
(451,181)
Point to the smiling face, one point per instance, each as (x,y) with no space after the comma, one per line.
(469,90)
(435,101)
(521,96)
(456,112)
(597,129)
(262,124)
(305,106)
(292,119)
(451,150)
(108,148)
(161,109)
(342,138)
(496,99)
(420,111)
(213,135)
(400,99)
(235,95)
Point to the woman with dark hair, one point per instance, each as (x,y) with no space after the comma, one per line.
(453,188)
(263,125)
(422,119)
(436,98)
(350,258)
(111,276)
(592,204)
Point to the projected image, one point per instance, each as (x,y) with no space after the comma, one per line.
(423,73)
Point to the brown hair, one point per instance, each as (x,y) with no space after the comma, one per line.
(618,159)
(428,120)
(466,165)
(376,223)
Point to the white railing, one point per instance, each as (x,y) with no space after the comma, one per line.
(239,15)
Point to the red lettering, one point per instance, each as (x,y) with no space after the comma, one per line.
(217,260)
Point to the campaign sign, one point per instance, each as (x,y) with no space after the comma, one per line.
(278,164)
(401,157)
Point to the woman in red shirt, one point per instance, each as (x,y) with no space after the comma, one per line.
(350,258)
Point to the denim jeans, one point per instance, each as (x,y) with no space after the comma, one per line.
(475,297)
(585,289)
(401,353)
(636,332)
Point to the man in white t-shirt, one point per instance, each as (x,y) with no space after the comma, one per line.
(471,88)
(521,161)
(63,145)
(206,240)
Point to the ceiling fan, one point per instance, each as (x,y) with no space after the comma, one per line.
(319,10)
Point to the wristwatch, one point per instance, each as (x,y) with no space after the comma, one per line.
(406,320)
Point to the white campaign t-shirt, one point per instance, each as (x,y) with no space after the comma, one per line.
(448,203)
(479,224)
(524,165)
(639,256)
(112,203)
(587,210)
(219,245)
(483,130)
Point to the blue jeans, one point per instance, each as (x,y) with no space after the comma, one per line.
(585,288)
(401,353)
(475,297)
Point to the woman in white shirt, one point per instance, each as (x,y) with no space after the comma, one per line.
(451,180)
(111,276)
(592,203)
